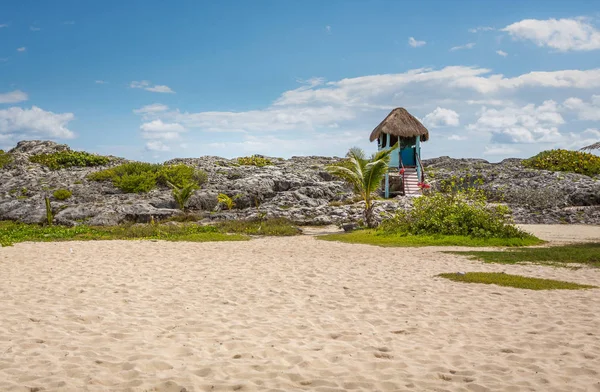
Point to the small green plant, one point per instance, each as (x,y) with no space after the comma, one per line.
(183,194)
(5,159)
(254,160)
(565,161)
(68,158)
(228,202)
(517,281)
(62,194)
(49,214)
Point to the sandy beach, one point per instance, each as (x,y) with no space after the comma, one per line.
(287,314)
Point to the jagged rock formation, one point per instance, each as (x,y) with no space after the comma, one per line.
(298,188)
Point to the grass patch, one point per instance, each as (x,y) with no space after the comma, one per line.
(517,281)
(586,253)
(14,232)
(379,238)
(274,227)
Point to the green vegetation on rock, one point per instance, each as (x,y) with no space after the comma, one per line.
(254,160)
(65,159)
(5,159)
(517,281)
(62,194)
(141,177)
(565,161)
(561,256)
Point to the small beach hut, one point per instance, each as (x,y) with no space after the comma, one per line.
(405,174)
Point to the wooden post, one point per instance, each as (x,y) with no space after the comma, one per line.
(418,157)
(387,185)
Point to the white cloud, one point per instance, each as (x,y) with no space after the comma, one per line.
(457,137)
(319,107)
(501,53)
(3,25)
(153,108)
(585,111)
(159,126)
(160,89)
(144,84)
(156,145)
(441,117)
(481,28)
(101,82)
(328,29)
(414,43)
(470,45)
(561,34)
(34,28)
(21,49)
(69,22)
(528,124)
(500,150)
(365,90)
(13,97)
(157,129)
(17,124)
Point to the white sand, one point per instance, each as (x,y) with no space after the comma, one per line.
(284,314)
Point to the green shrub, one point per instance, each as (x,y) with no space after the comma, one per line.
(254,160)
(5,159)
(565,160)
(64,159)
(62,194)
(180,175)
(464,213)
(136,183)
(136,177)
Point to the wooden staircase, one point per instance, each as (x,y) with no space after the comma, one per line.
(411,182)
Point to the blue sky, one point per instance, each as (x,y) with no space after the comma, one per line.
(154,80)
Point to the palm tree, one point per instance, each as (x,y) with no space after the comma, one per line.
(595,146)
(183,194)
(364,174)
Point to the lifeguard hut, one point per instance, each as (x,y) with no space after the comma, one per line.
(405,175)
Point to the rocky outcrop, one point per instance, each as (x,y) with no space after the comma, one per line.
(535,196)
(298,188)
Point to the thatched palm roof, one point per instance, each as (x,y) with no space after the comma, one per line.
(400,123)
(595,146)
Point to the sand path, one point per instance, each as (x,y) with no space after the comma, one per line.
(284,314)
